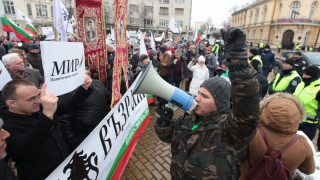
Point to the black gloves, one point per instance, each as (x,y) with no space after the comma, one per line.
(235,43)
(164,114)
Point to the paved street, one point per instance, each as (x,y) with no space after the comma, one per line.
(151,157)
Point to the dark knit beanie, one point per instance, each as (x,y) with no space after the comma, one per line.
(254,51)
(312,71)
(143,57)
(163,49)
(267,46)
(289,61)
(220,90)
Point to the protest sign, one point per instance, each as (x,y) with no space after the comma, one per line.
(48,31)
(106,151)
(63,65)
(4,76)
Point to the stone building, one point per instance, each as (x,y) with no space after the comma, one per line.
(142,14)
(280,21)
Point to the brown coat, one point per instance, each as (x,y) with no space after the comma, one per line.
(164,62)
(280,116)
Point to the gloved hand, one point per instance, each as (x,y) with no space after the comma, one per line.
(163,113)
(235,43)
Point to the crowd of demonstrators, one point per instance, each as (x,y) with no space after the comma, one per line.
(209,143)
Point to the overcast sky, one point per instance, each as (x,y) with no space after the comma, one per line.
(218,10)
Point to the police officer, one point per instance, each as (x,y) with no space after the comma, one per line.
(308,94)
(298,47)
(268,60)
(260,46)
(215,49)
(279,47)
(255,60)
(299,63)
(286,80)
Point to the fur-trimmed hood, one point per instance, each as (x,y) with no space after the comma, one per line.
(282,113)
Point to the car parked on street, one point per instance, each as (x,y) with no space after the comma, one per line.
(310,58)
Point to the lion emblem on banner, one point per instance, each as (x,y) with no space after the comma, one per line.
(80,165)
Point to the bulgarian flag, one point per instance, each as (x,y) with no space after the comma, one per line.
(150,98)
(198,35)
(295,12)
(29,27)
(9,26)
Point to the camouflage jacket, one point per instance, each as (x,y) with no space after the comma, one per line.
(214,149)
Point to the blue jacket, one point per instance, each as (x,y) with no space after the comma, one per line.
(268,59)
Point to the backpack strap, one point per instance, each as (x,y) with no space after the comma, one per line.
(263,135)
(295,138)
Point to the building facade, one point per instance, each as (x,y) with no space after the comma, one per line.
(153,14)
(280,21)
(142,14)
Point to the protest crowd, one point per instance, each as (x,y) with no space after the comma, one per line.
(242,122)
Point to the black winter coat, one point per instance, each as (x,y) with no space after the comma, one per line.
(35,144)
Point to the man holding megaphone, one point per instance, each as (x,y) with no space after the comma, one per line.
(210,142)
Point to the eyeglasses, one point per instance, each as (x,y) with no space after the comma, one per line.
(34,98)
(31,99)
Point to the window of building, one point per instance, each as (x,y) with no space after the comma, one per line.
(295,6)
(163,22)
(179,24)
(133,8)
(164,11)
(41,10)
(148,22)
(253,34)
(251,17)
(179,11)
(313,10)
(264,14)
(8,7)
(256,17)
(164,1)
(29,9)
(51,11)
(133,22)
(148,9)
(280,10)
(179,1)
(261,33)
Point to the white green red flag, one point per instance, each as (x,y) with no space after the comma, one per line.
(30,28)
(199,35)
(9,26)
(107,149)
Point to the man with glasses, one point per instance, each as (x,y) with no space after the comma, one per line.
(15,66)
(36,144)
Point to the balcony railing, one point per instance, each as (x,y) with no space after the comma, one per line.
(295,21)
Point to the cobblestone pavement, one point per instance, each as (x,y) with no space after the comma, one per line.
(151,157)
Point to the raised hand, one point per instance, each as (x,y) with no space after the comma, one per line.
(48,101)
(87,82)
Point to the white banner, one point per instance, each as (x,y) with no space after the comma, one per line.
(48,31)
(95,157)
(4,76)
(63,65)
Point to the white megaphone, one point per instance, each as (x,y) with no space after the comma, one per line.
(151,83)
